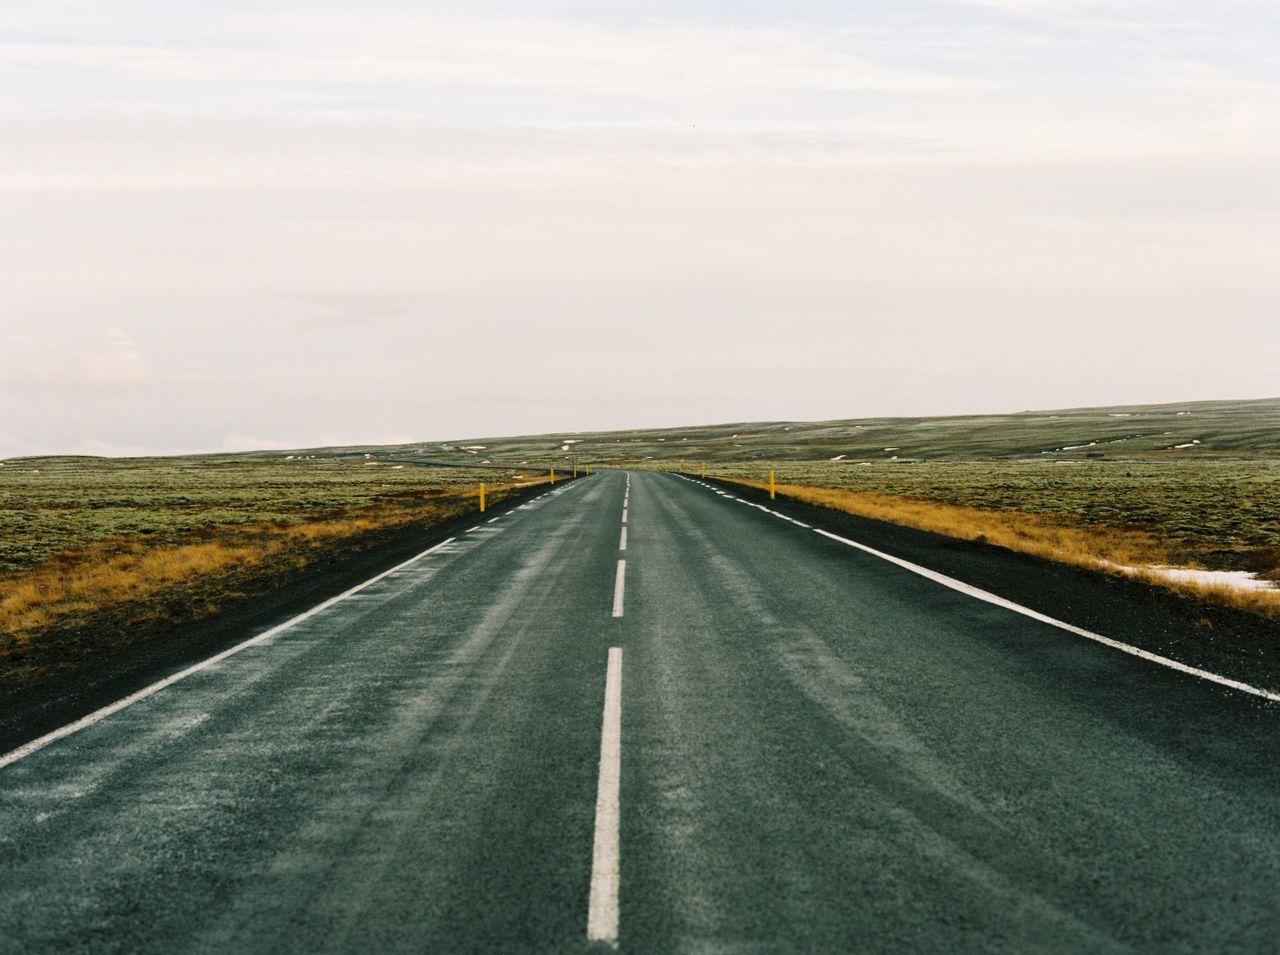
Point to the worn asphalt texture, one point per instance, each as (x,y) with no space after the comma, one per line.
(820,751)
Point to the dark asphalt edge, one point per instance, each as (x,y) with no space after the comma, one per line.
(31,712)
(1225,641)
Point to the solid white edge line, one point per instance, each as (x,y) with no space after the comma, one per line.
(988,597)
(101,714)
(622,542)
(619,587)
(602,907)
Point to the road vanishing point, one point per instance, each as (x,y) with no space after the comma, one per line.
(641,712)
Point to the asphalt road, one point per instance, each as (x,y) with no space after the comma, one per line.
(750,737)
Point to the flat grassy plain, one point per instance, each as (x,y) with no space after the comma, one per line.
(1214,512)
(1193,484)
(97,548)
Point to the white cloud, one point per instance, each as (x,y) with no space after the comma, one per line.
(325,228)
(109,363)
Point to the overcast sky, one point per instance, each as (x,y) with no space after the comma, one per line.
(238,225)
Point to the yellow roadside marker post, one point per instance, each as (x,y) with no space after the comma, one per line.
(773,487)
(481,498)
(553,475)
(704,468)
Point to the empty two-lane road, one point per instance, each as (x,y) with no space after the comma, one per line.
(638,712)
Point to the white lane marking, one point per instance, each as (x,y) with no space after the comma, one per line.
(988,597)
(624,515)
(622,544)
(619,586)
(602,908)
(101,714)
(491,520)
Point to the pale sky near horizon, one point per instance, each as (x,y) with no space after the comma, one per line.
(234,225)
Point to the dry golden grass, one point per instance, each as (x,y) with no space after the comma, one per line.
(114,572)
(1096,549)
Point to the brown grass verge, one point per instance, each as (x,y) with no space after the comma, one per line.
(111,573)
(1103,551)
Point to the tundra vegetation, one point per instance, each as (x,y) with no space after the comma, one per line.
(164,540)
(1121,490)
(1124,490)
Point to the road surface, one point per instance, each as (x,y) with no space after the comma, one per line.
(637,712)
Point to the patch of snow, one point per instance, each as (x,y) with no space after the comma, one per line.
(473,447)
(1179,447)
(1078,447)
(366,457)
(1183,412)
(893,449)
(1122,414)
(838,457)
(1235,579)
(894,458)
(397,467)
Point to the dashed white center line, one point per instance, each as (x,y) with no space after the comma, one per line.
(624,515)
(619,586)
(622,543)
(602,907)
(491,520)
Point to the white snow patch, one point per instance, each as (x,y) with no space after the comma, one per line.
(473,447)
(397,467)
(1122,414)
(838,457)
(1179,447)
(1235,579)
(1180,413)
(893,449)
(1078,447)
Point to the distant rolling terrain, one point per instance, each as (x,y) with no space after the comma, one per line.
(1200,427)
